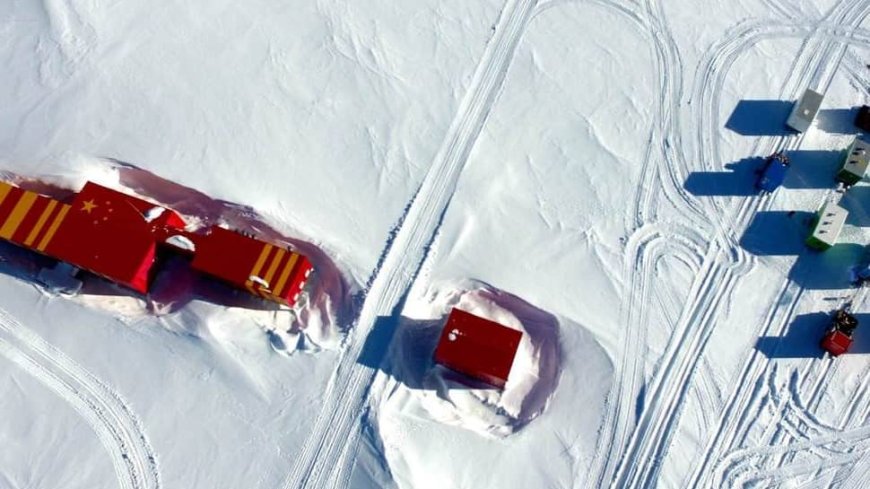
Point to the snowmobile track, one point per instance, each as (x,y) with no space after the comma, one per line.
(326,457)
(747,397)
(115,425)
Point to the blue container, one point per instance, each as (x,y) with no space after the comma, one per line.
(773,174)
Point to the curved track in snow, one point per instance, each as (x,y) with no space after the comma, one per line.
(327,456)
(114,423)
(640,463)
(817,72)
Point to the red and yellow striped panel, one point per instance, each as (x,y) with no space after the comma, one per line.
(27,218)
(274,266)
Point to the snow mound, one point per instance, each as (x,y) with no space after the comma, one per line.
(478,407)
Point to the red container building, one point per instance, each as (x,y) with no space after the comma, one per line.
(116,236)
(113,235)
(477,347)
(263,269)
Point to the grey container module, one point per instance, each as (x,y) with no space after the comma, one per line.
(804,111)
(855,165)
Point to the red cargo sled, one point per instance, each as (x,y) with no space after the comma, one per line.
(838,338)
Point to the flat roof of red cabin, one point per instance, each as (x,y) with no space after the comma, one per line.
(478,347)
(235,258)
(106,232)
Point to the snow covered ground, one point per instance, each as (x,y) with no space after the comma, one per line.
(581,170)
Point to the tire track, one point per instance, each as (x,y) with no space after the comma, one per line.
(661,150)
(650,449)
(740,401)
(326,457)
(115,425)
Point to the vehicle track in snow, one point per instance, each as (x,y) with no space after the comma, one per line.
(662,165)
(643,457)
(329,451)
(114,423)
(737,412)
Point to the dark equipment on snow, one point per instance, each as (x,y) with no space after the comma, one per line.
(773,173)
(838,338)
(862,120)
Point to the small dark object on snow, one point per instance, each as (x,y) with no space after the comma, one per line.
(773,173)
(838,338)
(862,120)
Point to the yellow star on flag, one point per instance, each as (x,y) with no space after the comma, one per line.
(88,206)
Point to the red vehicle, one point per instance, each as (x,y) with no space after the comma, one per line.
(838,338)
(117,236)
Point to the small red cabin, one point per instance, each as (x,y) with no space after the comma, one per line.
(477,347)
(270,271)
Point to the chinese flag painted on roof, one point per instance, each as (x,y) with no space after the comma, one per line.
(106,232)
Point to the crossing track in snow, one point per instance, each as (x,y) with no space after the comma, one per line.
(325,460)
(662,166)
(737,414)
(114,423)
(640,464)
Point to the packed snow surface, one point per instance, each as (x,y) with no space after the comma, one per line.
(582,171)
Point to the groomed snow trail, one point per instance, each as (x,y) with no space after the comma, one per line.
(103,409)
(326,458)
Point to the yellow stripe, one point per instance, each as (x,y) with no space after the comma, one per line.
(4,191)
(285,274)
(274,266)
(53,228)
(264,253)
(25,202)
(41,222)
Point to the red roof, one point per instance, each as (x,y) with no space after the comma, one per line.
(836,342)
(477,347)
(102,231)
(115,235)
(111,234)
(264,269)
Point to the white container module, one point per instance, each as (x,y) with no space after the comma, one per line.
(804,111)
(855,164)
(827,226)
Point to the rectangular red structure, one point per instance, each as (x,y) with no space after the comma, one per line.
(116,236)
(106,232)
(111,234)
(264,269)
(477,347)
(836,343)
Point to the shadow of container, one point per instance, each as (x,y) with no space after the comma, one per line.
(813,169)
(403,348)
(760,118)
(801,339)
(856,201)
(828,270)
(838,121)
(739,181)
(777,233)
